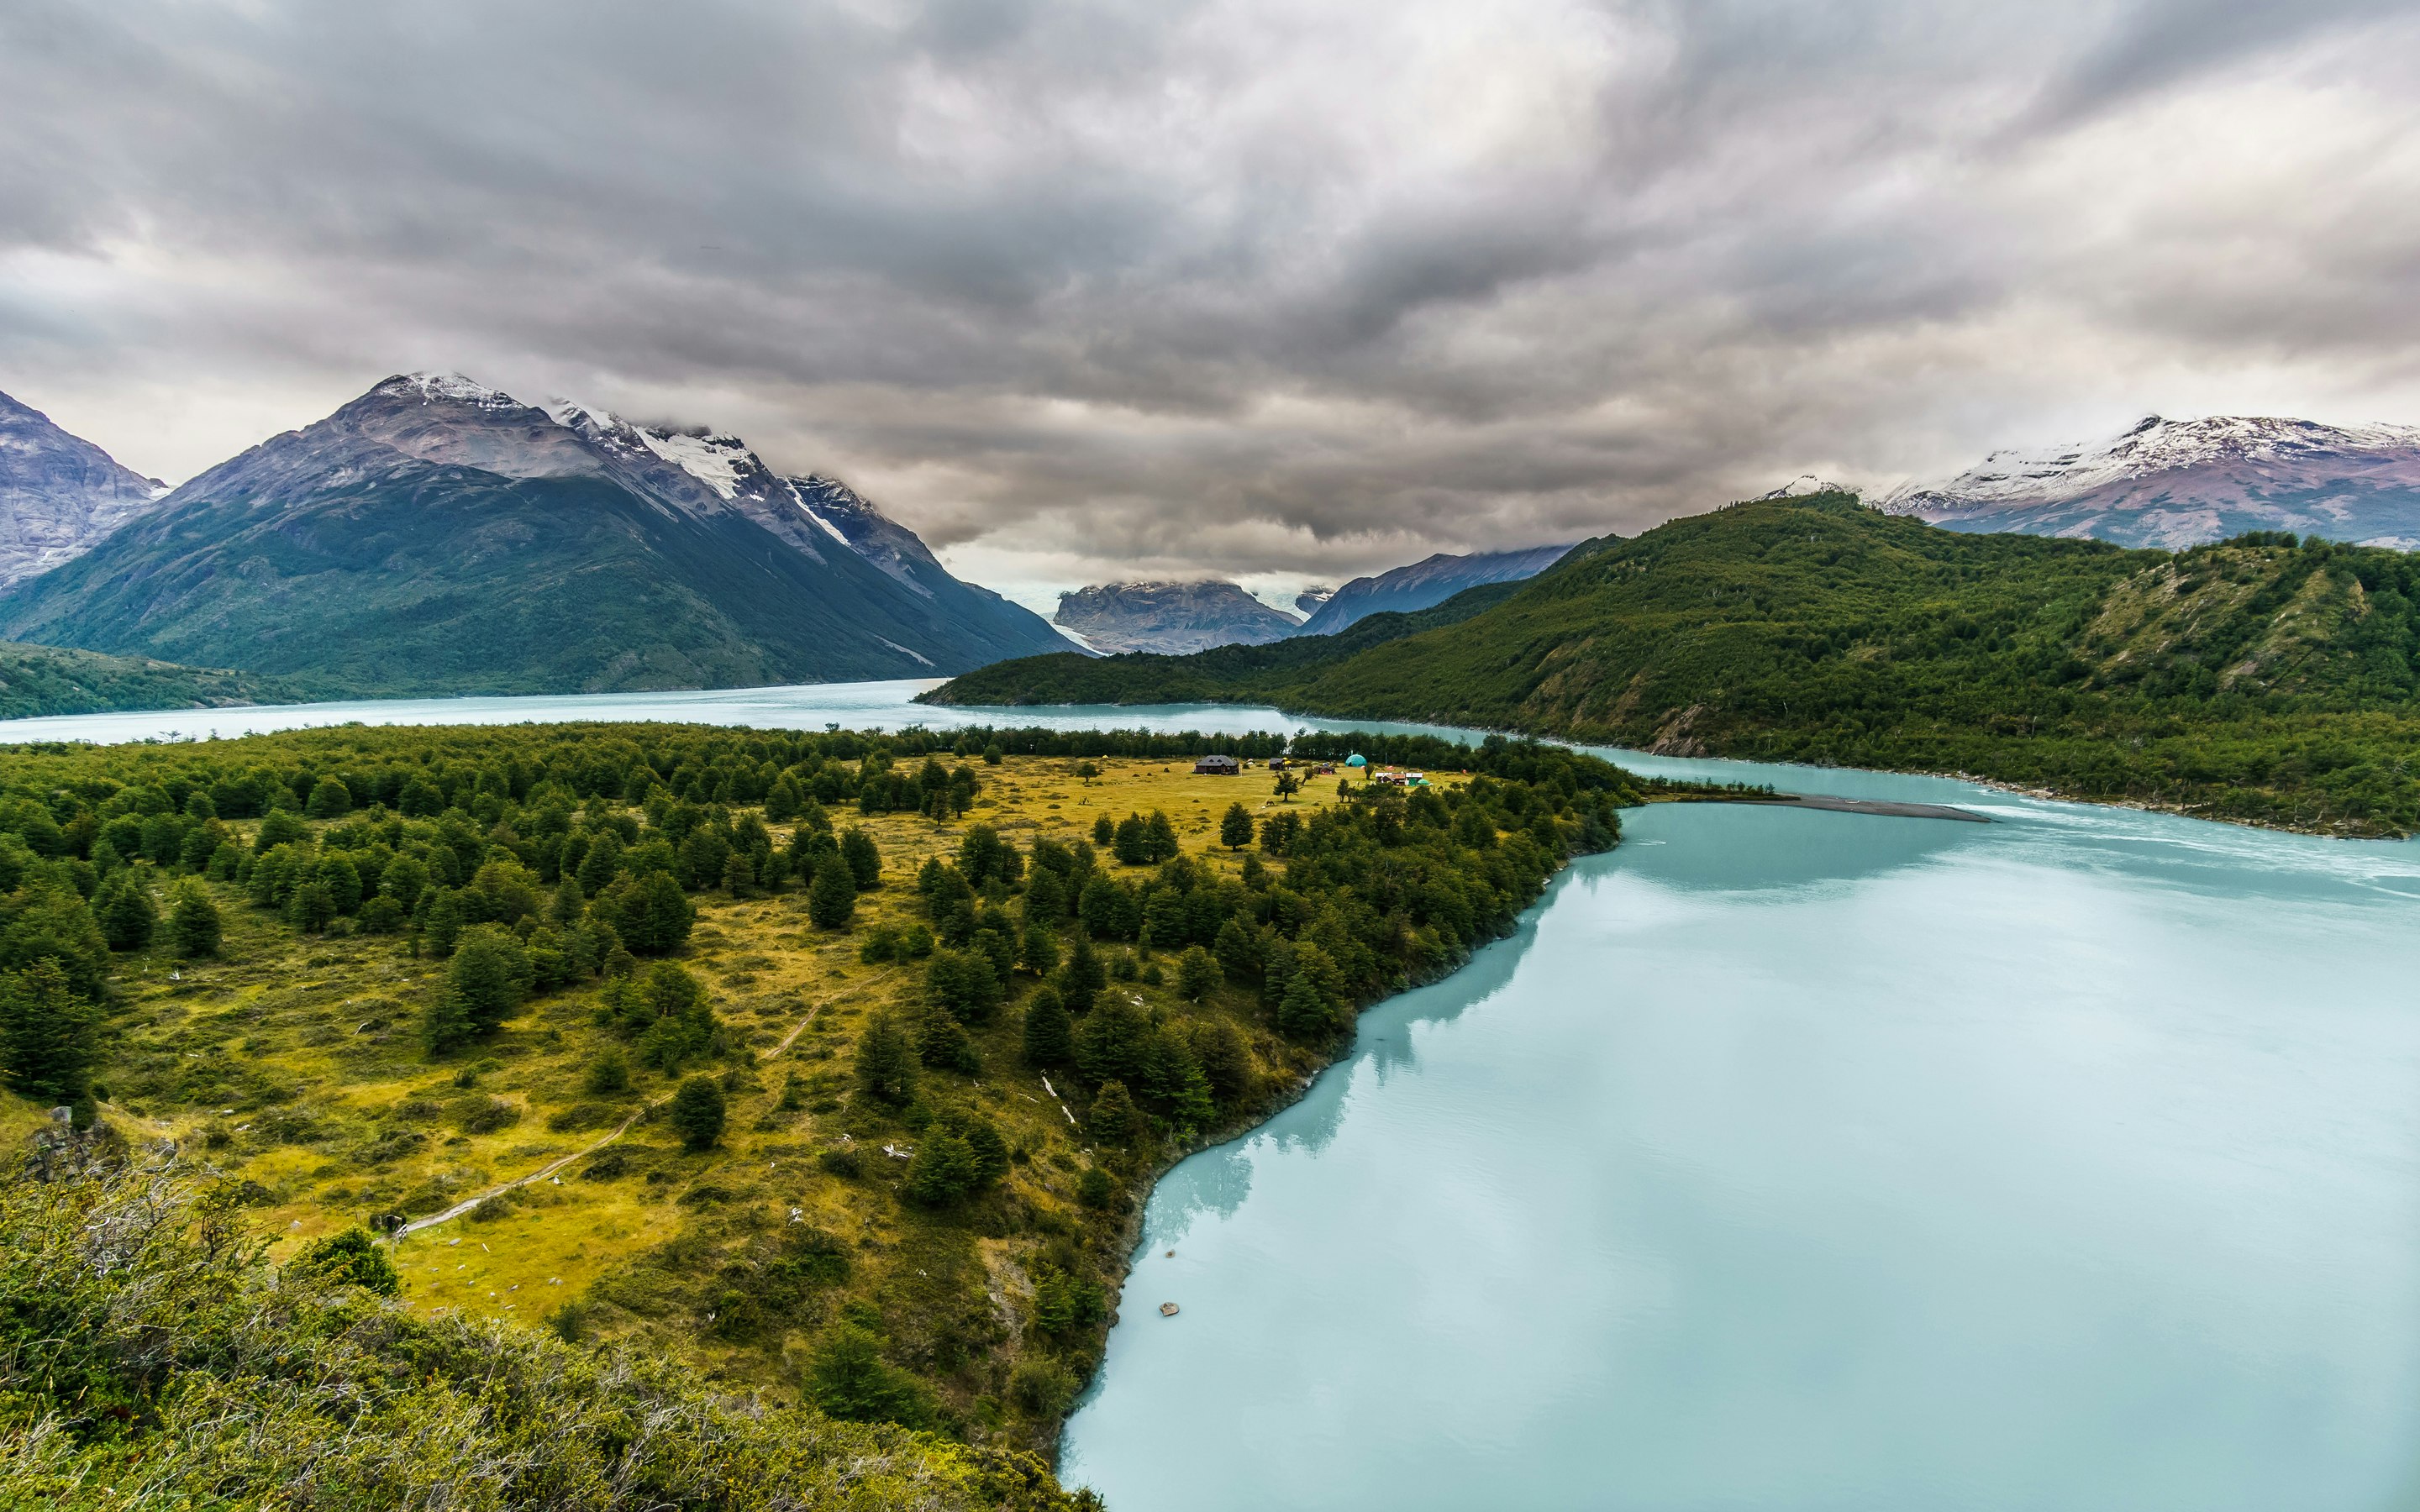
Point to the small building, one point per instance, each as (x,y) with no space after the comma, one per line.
(1217,766)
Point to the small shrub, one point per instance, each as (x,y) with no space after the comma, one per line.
(842,1162)
(490,1116)
(1042,1388)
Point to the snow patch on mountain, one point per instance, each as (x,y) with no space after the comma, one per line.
(2154,444)
(719,462)
(2178,482)
(809,511)
(433,388)
(1803,485)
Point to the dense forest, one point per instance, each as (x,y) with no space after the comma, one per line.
(831,1067)
(2265,679)
(36,681)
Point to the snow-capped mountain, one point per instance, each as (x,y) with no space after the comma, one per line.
(436,534)
(58,493)
(1313,600)
(2178,482)
(1171,619)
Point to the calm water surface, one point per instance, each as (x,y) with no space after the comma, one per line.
(1796,1160)
(1785,1161)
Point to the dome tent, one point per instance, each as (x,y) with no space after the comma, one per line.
(1356,760)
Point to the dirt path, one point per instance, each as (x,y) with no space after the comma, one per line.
(552,1166)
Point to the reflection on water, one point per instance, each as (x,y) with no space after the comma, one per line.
(1793,1159)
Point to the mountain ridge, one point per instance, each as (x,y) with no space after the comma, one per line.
(1426,583)
(2173,484)
(1170,618)
(59,493)
(435,536)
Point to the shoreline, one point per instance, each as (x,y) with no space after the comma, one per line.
(1128,1234)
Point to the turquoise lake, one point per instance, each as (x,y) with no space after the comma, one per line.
(1787,1160)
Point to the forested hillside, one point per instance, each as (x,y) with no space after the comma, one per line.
(2264,679)
(44,680)
(831,1067)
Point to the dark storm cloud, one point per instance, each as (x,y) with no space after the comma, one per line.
(1252,288)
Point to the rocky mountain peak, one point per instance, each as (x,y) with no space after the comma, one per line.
(59,493)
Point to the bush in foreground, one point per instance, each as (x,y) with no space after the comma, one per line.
(151,1358)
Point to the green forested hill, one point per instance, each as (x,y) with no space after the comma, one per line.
(2262,679)
(44,680)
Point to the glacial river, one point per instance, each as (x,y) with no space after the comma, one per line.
(1788,1161)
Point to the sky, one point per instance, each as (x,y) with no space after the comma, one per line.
(1273,290)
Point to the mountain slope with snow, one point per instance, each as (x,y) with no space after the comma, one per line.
(1170,618)
(437,536)
(58,493)
(2181,483)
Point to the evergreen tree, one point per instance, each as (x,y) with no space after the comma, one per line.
(1040,950)
(785,799)
(280,828)
(1082,981)
(602,862)
(563,910)
(1049,1034)
(1114,1119)
(1131,841)
(193,925)
(1218,1049)
(330,799)
(444,1023)
(443,928)
(941,1170)
(489,976)
(1197,973)
(343,880)
(404,879)
(656,916)
(1191,1106)
(1238,949)
(963,983)
(1303,1013)
(310,906)
(1159,837)
(1112,1043)
(607,1074)
(865,861)
(833,899)
(1235,827)
(847,1380)
(942,1043)
(126,912)
(49,1035)
(886,1061)
(697,1112)
(1104,832)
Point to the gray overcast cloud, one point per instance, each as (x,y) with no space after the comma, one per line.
(1254,287)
